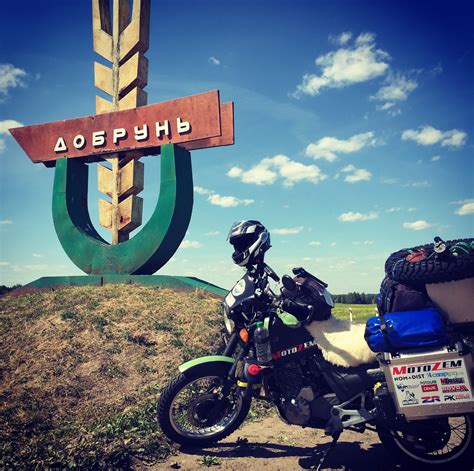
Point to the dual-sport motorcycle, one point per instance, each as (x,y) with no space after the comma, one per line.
(271,356)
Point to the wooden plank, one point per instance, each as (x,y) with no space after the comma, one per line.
(131,177)
(130,211)
(201,111)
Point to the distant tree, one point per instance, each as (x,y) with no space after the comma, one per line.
(5,289)
(355,298)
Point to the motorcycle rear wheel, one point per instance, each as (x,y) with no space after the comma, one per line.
(190,412)
(432,444)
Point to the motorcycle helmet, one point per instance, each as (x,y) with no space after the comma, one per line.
(250,240)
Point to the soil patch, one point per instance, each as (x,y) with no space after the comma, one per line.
(273,445)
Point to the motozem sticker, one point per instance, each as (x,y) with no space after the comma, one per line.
(414,380)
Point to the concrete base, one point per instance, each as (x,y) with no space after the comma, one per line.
(164,281)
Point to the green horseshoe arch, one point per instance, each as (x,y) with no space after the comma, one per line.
(147,251)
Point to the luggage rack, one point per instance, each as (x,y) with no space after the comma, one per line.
(387,357)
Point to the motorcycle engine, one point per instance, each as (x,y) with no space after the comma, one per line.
(300,385)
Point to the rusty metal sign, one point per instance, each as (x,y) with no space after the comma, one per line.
(194,122)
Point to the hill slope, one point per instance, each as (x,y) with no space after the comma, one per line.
(81,368)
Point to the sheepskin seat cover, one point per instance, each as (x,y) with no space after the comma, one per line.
(341,342)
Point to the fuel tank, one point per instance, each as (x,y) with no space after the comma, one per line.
(289,340)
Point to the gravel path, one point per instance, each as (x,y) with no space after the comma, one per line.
(272,445)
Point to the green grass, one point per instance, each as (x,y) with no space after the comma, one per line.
(209,461)
(360,312)
(82,369)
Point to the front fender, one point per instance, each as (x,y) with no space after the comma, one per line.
(202,360)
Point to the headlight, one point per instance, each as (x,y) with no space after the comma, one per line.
(229,323)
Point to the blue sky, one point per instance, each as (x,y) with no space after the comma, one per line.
(353,120)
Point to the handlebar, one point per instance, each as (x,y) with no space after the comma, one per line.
(303,312)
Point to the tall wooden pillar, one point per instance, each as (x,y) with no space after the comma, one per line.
(122,42)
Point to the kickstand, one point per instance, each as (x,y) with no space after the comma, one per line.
(325,453)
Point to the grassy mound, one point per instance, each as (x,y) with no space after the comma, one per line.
(81,369)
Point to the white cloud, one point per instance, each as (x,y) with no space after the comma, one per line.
(228,201)
(235,172)
(363,242)
(212,233)
(393,210)
(190,244)
(397,88)
(353,217)
(417,225)
(213,60)
(394,112)
(202,191)
(315,243)
(5,264)
(390,181)
(268,170)
(468,200)
(420,184)
(259,174)
(38,255)
(10,77)
(341,39)
(287,230)
(435,158)
(355,63)
(5,221)
(385,106)
(411,210)
(7,124)
(465,209)
(327,147)
(333,244)
(356,174)
(428,135)
(223,201)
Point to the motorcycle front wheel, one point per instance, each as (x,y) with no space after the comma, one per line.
(191,410)
(445,443)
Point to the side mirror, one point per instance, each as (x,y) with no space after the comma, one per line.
(289,283)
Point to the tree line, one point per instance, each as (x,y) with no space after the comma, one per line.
(355,298)
(5,289)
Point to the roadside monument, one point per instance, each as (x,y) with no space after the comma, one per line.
(123,130)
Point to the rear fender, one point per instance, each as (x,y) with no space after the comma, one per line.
(197,362)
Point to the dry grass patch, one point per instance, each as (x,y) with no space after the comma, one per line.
(81,368)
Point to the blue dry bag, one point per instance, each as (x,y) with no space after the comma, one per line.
(406,330)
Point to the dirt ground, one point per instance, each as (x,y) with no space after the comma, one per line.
(271,444)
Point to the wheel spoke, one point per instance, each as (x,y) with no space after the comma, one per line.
(196,410)
(437,441)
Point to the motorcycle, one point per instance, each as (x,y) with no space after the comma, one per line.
(271,356)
